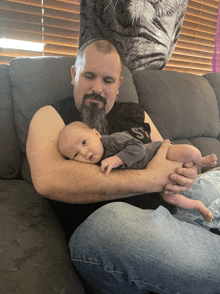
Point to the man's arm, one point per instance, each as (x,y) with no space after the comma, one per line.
(154,135)
(75,182)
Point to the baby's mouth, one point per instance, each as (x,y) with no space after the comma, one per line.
(90,157)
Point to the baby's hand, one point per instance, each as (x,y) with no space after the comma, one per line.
(109,163)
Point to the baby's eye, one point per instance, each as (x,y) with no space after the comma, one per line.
(84,142)
(75,155)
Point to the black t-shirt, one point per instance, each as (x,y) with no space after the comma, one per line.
(123,116)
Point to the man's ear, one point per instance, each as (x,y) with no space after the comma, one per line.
(96,133)
(73,74)
(119,83)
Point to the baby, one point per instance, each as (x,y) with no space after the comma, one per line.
(78,142)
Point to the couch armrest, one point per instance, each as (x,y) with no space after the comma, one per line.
(34,249)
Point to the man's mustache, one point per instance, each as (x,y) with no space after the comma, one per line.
(96,97)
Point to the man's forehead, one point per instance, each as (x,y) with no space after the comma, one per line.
(93,60)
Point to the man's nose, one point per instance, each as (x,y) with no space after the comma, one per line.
(97,86)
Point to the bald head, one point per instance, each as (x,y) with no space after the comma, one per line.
(101,45)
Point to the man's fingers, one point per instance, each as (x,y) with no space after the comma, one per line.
(173,189)
(183,179)
(167,192)
(188,164)
(190,172)
(181,184)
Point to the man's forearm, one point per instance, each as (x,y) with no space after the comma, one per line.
(76,182)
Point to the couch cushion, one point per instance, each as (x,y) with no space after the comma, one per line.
(41,81)
(127,90)
(181,105)
(214,80)
(37,82)
(35,257)
(10,158)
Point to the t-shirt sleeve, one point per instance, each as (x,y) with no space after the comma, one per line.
(130,117)
(67,110)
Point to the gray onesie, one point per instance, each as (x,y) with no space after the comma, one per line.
(131,151)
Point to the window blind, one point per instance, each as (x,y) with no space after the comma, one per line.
(195,46)
(54,23)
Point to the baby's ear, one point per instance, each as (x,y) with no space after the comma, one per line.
(97,133)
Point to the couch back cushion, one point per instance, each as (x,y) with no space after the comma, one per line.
(214,81)
(42,81)
(37,82)
(181,105)
(10,156)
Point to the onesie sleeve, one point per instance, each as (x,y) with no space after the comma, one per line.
(127,148)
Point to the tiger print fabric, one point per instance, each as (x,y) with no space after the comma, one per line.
(144,31)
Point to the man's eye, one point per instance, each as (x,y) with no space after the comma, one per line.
(89,77)
(109,81)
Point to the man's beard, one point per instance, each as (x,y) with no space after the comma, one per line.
(94,116)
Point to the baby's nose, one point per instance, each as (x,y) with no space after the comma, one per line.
(84,152)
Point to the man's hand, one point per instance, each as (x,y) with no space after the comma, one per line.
(176,176)
(109,163)
(183,179)
(160,168)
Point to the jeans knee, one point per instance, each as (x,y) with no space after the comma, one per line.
(107,218)
(95,232)
(114,225)
(114,209)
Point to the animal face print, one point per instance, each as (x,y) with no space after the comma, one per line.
(144,31)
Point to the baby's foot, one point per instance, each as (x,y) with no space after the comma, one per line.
(205,212)
(209,160)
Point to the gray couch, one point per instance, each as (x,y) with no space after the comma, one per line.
(34,250)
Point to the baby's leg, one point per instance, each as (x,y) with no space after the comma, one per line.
(186,153)
(186,203)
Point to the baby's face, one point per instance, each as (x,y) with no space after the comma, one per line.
(84,146)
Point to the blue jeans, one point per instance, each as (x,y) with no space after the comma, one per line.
(123,249)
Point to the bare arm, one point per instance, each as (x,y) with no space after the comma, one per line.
(76,182)
(155,135)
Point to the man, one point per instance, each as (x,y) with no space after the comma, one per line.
(105,247)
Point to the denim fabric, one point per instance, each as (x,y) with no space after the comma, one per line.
(123,249)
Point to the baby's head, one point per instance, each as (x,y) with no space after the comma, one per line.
(78,142)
